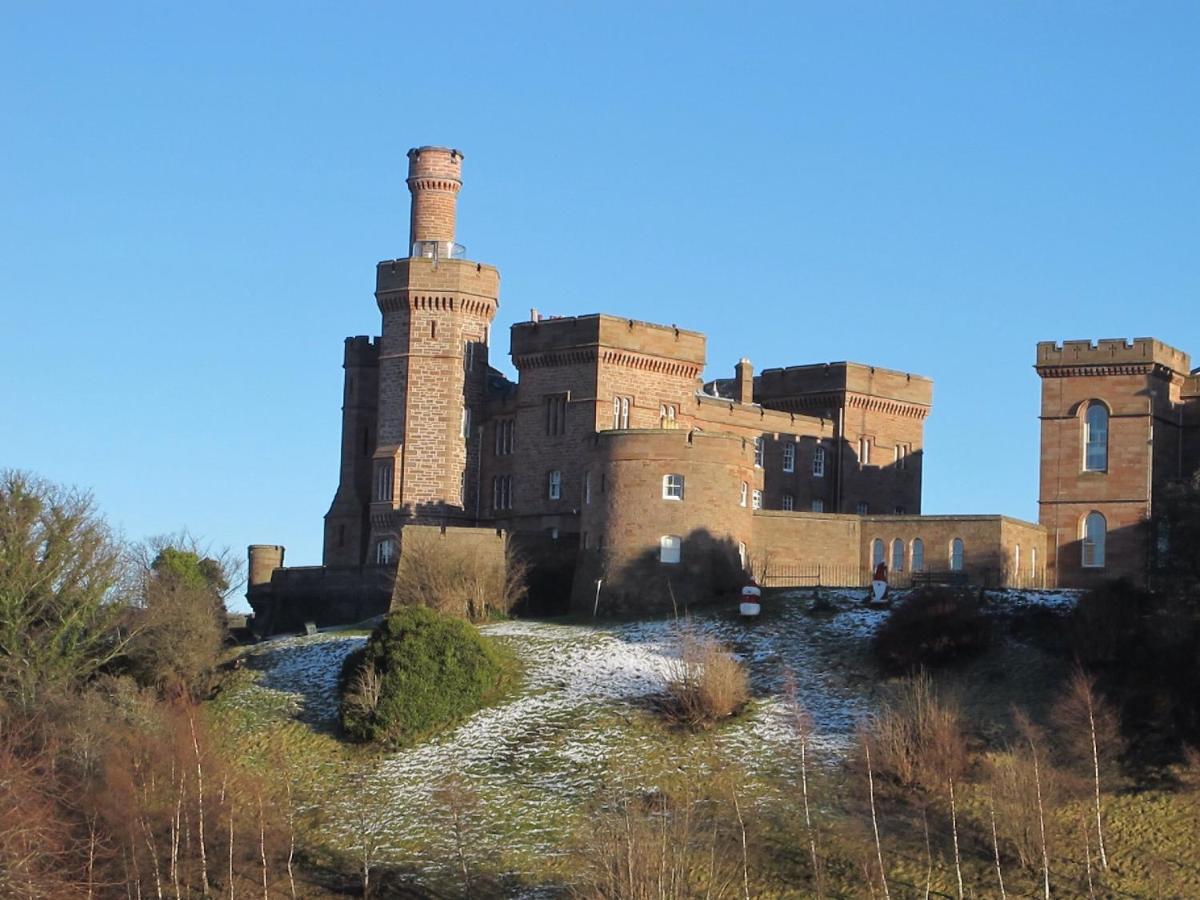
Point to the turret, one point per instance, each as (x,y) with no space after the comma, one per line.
(434,178)
(264,559)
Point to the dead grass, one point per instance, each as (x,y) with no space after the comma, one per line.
(455,581)
(918,738)
(708,683)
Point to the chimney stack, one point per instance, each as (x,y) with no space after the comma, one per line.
(434,178)
(743,374)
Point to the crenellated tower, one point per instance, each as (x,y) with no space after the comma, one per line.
(348,523)
(437,310)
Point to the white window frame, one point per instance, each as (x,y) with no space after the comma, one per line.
(864,451)
(760,452)
(818,468)
(554,485)
(621,407)
(789,456)
(818,505)
(672,486)
(862,508)
(466,423)
(787,502)
(756,500)
(385,550)
(670,549)
(745,495)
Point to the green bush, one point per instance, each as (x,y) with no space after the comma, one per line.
(419,671)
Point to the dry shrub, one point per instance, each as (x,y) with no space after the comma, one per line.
(934,626)
(682,842)
(707,685)
(917,738)
(455,580)
(1014,783)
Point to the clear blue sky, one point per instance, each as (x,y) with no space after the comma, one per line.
(194,197)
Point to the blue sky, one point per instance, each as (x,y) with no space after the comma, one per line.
(194,198)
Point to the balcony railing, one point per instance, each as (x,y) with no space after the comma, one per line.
(438,250)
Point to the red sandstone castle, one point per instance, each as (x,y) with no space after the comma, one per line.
(610,453)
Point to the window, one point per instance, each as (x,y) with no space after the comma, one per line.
(666,415)
(669,547)
(819,463)
(818,505)
(756,500)
(742,554)
(918,555)
(897,555)
(758,452)
(862,508)
(587,487)
(383,481)
(468,356)
(555,485)
(789,457)
(899,510)
(956,555)
(1094,534)
(876,552)
(672,487)
(864,451)
(901,453)
(788,502)
(621,411)
(556,414)
(745,494)
(385,551)
(466,423)
(1095,438)
(504,436)
(502,492)
(1017,560)
(1033,562)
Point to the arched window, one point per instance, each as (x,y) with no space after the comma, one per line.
(669,548)
(876,552)
(918,555)
(1095,438)
(1094,533)
(672,487)
(956,555)
(1033,572)
(897,555)
(745,494)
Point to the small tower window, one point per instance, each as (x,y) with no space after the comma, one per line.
(745,494)
(383,481)
(621,407)
(1095,534)
(1095,438)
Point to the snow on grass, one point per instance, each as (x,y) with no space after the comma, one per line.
(534,762)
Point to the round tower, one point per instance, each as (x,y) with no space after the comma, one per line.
(264,559)
(434,178)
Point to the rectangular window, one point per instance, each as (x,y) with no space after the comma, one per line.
(819,462)
(384,551)
(901,452)
(466,423)
(789,457)
(862,508)
(383,481)
(788,502)
(468,356)
(670,548)
(621,406)
(756,500)
(556,414)
(759,452)
(502,492)
(555,485)
(587,487)
(504,436)
(672,487)
(864,451)
(818,505)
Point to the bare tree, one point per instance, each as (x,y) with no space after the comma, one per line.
(866,742)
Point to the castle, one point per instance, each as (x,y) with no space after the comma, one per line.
(649,487)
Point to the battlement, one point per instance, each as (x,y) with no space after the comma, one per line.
(1111,352)
(838,377)
(641,444)
(600,331)
(362,350)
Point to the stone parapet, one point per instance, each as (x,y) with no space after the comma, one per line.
(1108,356)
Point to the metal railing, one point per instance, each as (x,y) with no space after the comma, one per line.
(438,250)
